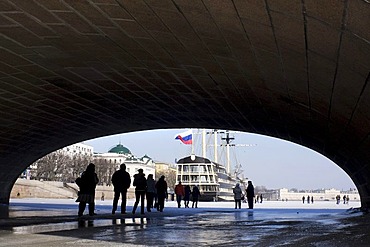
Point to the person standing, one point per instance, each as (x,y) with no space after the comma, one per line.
(161,187)
(180,192)
(140,190)
(150,183)
(237,196)
(87,184)
(303,199)
(187,195)
(196,195)
(121,181)
(250,194)
(338,199)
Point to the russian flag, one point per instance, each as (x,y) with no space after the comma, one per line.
(186,137)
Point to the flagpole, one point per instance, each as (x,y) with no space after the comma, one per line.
(192,143)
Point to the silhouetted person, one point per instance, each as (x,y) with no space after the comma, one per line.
(150,193)
(180,193)
(237,196)
(347,199)
(87,184)
(140,190)
(303,199)
(196,195)
(250,194)
(261,198)
(161,187)
(121,181)
(311,199)
(344,199)
(308,199)
(187,195)
(338,199)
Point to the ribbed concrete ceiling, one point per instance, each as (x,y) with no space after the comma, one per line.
(72,70)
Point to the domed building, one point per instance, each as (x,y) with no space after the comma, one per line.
(119,149)
(120,154)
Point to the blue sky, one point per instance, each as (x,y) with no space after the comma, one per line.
(269,162)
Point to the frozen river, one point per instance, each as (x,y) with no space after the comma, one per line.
(42,222)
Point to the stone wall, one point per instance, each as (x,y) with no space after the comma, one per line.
(24,188)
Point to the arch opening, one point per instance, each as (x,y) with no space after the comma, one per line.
(269,162)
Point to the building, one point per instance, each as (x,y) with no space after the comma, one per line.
(74,150)
(120,154)
(78,149)
(318,195)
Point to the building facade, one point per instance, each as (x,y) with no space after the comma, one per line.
(120,154)
(317,195)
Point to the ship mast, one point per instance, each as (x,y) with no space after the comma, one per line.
(215,145)
(204,147)
(228,139)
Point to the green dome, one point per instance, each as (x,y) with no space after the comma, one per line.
(119,149)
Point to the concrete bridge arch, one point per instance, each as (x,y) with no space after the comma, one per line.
(74,70)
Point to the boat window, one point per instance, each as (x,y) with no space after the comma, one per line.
(185,178)
(179,168)
(186,168)
(203,169)
(194,178)
(194,168)
(179,178)
(203,178)
(211,178)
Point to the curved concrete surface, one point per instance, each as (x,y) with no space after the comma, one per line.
(74,70)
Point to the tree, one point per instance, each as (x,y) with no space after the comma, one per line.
(59,166)
(260,189)
(170,175)
(104,170)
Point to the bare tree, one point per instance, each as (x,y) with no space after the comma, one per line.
(104,170)
(170,176)
(50,167)
(58,166)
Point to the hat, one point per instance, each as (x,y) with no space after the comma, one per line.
(140,170)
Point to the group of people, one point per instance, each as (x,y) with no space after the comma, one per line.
(121,180)
(309,199)
(154,192)
(239,195)
(184,193)
(345,199)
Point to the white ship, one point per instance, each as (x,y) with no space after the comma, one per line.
(214,180)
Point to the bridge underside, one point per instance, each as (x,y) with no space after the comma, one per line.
(74,70)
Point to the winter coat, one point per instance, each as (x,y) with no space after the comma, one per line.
(121,180)
(140,182)
(237,193)
(195,193)
(187,193)
(250,191)
(88,182)
(179,190)
(150,183)
(161,187)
